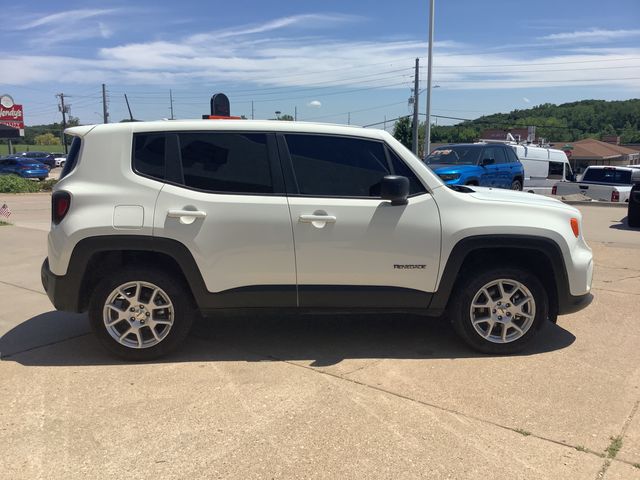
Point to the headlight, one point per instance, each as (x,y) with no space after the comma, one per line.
(449,176)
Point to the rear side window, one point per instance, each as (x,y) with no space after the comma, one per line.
(511,156)
(148,154)
(499,155)
(337,166)
(226,162)
(556,170)
(72,156)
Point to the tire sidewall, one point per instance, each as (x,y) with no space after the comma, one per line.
(464,295)
(184,312)
(519,183)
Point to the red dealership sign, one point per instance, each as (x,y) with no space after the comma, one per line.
(12,116)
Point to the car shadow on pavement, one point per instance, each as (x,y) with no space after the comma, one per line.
(323,340)
(623,225)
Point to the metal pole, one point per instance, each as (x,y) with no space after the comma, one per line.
(416,94)
(252,112)
(63,109)
(295,113)
(349,118)
(10,147)
(171,102)
(427,133)
(105,115)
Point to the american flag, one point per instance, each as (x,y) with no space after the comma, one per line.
(4,211)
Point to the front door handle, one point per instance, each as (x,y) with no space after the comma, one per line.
(317,218)
(186,217)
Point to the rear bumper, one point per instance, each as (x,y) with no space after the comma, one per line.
(63,293)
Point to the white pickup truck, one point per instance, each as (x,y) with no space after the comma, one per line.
(602,183)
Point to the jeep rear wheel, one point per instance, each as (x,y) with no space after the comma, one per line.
(141,314)
(516,185)
(499,311)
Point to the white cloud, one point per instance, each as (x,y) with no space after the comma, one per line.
(526,100)
(594,34)
(66,17)
(315,104)
(287,64)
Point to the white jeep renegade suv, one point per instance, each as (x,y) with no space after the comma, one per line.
(155,222)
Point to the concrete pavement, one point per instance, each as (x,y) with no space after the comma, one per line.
(323,396)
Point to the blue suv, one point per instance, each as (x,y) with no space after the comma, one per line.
(482,164)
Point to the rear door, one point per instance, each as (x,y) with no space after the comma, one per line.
(224,200)
(352,248)
(489,175)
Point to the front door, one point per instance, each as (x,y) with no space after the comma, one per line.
(352,248)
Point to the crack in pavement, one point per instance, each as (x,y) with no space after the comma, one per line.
(44,345)
(625,426)
(23,288)
(452,411)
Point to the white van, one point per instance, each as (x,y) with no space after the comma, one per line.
(543,167)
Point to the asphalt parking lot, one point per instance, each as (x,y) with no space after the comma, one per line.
(320,397)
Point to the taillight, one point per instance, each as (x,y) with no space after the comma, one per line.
(615,196)
(554,190)
(60,203)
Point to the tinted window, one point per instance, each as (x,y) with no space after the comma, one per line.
(226,162)
(454,155)
(401,168)
(337,166)
(511,156)
(556,170)
(72,157)
(148,154)
(499,155)
(607,175)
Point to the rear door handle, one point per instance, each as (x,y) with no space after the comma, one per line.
(317,218)
(186,217)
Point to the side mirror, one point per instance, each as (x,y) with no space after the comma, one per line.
(395,188)
(487,161)
(572,178)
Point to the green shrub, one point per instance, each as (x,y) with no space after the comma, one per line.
(47,185)
(15,184)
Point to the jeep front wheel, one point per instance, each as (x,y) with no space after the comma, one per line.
(516,185)
(140,314)
(499,311)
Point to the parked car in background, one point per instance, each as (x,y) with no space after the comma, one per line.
(42,157)
(60,159)
(543,167)
(482,164)
(603,183)
(24,167)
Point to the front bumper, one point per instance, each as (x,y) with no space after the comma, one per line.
(63,293)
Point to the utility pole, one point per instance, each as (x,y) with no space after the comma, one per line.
(252,111)
(171,102)
(63,109)
(295,113)
(105,114)
(385,123)
(416,94)
(349,118)
(427,133)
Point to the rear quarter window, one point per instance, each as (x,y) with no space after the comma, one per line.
(72,157)
(148,155)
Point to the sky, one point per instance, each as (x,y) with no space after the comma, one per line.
(330,61)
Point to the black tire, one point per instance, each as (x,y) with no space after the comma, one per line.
(42,179)
(516,185)
(466,290)
(184,311)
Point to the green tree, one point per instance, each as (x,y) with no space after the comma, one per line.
(402,131)
(47,139)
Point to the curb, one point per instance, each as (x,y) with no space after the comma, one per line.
(596,204)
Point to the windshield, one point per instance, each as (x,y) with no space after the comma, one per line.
(461,155)
(607,175)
